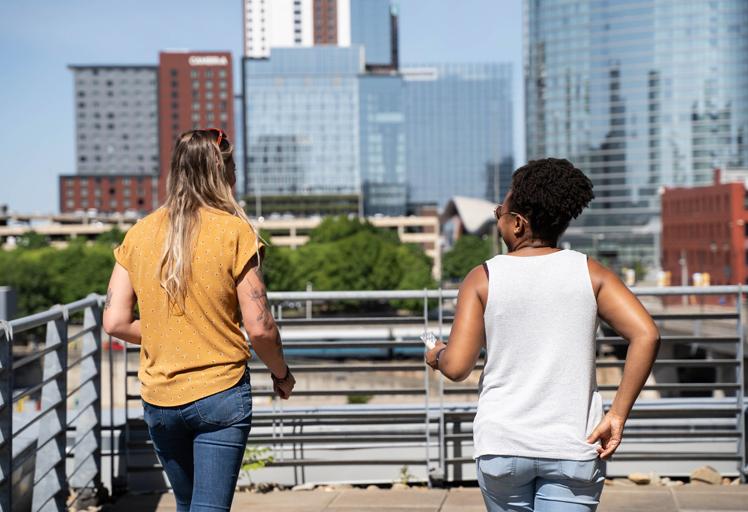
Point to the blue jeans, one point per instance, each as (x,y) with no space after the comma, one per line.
(201,446)
(543,485)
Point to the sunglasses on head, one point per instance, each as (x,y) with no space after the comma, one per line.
(220,135)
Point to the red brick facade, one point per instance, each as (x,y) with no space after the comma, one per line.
(116,193)
(706,225)
(325,22)
(195,91)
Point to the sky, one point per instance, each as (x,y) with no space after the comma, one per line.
(40,38)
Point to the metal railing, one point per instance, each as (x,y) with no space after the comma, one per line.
(57,447)
(426,424)
(435,431)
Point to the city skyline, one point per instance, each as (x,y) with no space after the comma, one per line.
(39,98)
(662,109)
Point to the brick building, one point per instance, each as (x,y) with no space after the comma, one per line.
(704,230)
(127,120)
(195,91)
(109,193)
(116,130)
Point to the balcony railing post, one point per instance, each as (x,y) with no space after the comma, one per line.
(743,448)
(6,416)
(88,422)
(426,394)
(442,469)
(50,482)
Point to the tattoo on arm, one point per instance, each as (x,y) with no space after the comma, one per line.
(108,300)
(258,294)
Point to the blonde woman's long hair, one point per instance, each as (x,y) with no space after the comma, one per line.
(202,174)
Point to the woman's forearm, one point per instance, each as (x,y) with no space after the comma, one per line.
(639,360)
(269,349)
(127,331)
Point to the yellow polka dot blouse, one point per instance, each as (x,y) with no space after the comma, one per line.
(185,357)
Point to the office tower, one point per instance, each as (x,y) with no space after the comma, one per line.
(639,95)
(458,131)
(374,26)
(383,144)
(302,129)
(116,130)
(195,91)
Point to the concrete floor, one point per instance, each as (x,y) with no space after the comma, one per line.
(615,499)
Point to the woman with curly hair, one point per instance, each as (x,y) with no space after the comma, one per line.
(540,435)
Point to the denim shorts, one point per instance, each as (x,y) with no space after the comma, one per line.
(510,483)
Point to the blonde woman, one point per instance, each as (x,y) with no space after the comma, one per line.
(193,269)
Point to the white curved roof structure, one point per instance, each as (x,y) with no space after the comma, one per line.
(476,215)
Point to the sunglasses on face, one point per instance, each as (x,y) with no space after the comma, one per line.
(497,213)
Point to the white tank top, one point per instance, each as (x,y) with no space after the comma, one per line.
(538,391)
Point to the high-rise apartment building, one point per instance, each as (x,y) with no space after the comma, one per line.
(458,131)
(128,119)
(195,91)
(639,95)
(294,23)
(372,24)
(116,131)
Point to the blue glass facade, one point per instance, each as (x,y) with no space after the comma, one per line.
(302,121)
(371,28)
(639,94)
(383,144)
(317,123)
(459,131)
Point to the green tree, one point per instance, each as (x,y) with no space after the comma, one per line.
(467,252)
(113,237)
(32,240)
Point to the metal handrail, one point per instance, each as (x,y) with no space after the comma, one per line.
(436,423)
(431,423)
(52,478)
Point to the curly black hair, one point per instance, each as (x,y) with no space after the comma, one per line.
(550,192)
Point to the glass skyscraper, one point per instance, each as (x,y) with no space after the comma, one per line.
(317,123)
(372,26)
(458,131)
(302,118)
(383,144)
(639,94)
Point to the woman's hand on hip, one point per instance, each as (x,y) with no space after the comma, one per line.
(610,433)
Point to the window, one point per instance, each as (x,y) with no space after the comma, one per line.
(174,72)
(193,73)
(208,85)
(208,73)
